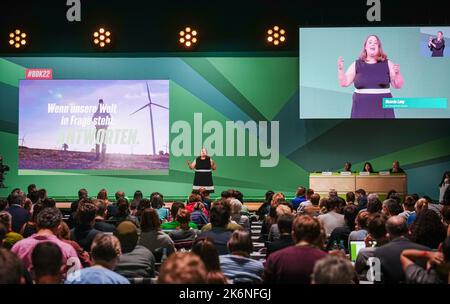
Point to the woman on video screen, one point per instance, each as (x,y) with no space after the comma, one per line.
(372,74)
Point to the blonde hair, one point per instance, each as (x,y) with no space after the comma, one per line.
(277,197)
(283,210)
(421,204)
(381,55)
(183,268)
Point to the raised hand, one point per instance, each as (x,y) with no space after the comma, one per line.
(396,69)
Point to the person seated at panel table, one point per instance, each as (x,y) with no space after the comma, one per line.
(368,167)
(347,167)
(396,167)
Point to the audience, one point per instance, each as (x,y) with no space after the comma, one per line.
(47,263)
(184,233)
(295,264)
(30,227)
(48,224)
(238,266)
(10,237)
(332,219)
(84,232)
(219,233)
(299,197)
(152,237)
(389,254)
(105,253)
(100,216)
(198,215)
(183,268)
(19,215)
(408,237)
(206,250)
(11,268)
(136,261)
(284,223)
(333,270)
(437,265)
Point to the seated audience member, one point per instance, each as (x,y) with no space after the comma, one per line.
(444,188)
(31,189)
(264,209)
(48,223)
(42,194)
(295,264)
(3,204)
(445,213)
(361,199)
(47,263)
(408,207)
(348,167)
(199,216)
(437,265)
(137,197)
(391,207)
(143,204)
(389,253)
(152,237)
(192,200)
(284,223)
(83,255)
(332,193)
(136,261)
(105,253)
(19,215)
(421,204)
(100,216)
(374,206)
(360,232)
(206,199)
(396,167)
(30,227)
(174,224)
(274,231)
(232,225)
(350,198)
(332,219)
(236,216)
(123,212)
(307,202)
(84,232)
(48,203)
(314,208)
(3,232)
(11,237)
(368,168)
(299,197)
(428,229)
(340,235)
(158,204)
(371,198)
(207,252)
(183,268)
(112,208)
(276,198)
(238,266)
(11,268)
(82,193)
(376,237)
(184,233)
(333,270)
(219,233)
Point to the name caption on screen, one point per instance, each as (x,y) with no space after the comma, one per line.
(227,293)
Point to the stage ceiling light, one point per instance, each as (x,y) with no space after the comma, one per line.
(188,37)
(17,39)
(276,35)
(101,38)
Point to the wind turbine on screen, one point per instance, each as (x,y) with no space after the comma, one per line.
(150,105)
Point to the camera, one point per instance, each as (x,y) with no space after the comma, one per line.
(3,170)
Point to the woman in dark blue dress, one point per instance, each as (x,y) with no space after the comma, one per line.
(203,166)
(372,74)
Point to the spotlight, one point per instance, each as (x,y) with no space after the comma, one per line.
(276,35)
(101,38)
(188,37)
(17,39)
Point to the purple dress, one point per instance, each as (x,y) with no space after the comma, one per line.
(371,76)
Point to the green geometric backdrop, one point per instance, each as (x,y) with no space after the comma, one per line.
(235,88)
